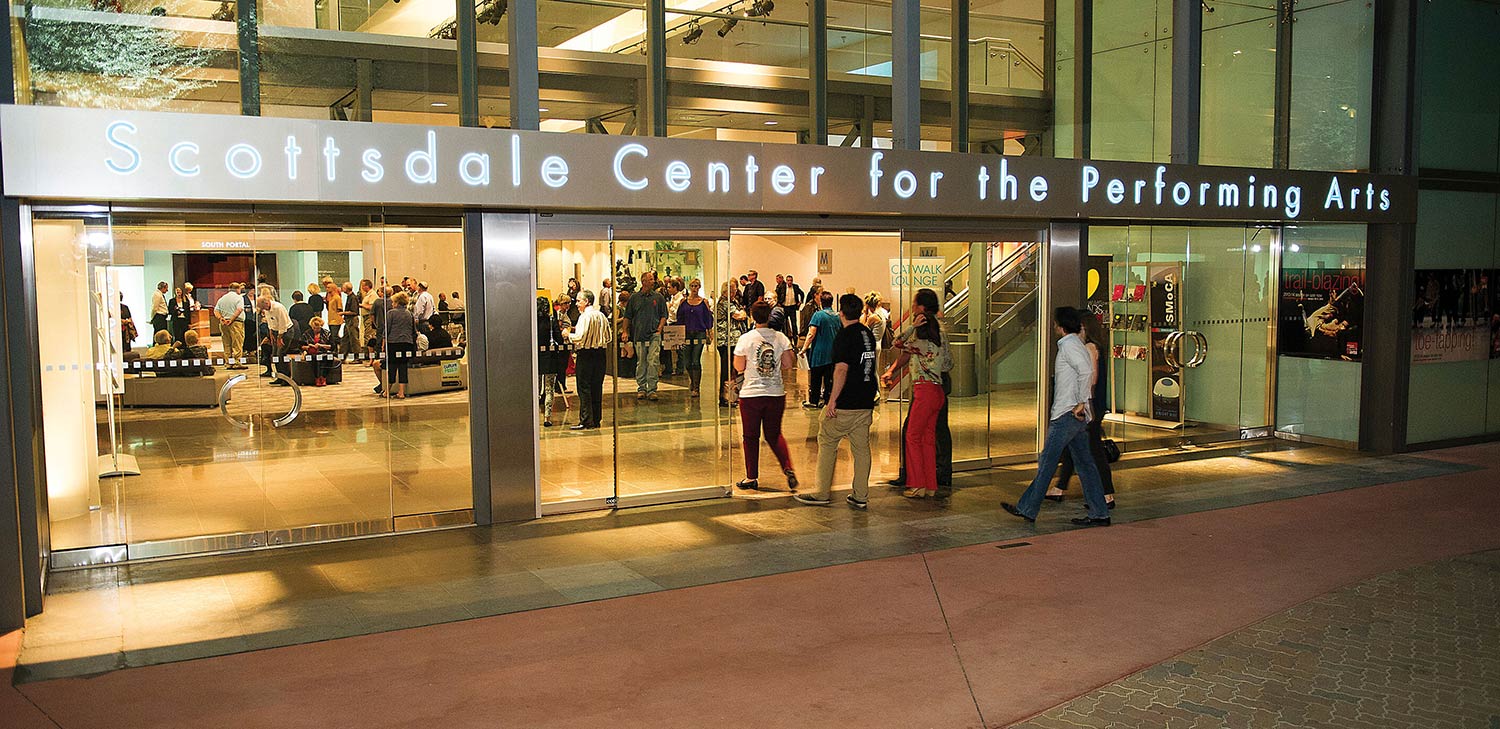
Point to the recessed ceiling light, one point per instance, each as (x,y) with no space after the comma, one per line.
(771,123)
(440,104)
(543,109)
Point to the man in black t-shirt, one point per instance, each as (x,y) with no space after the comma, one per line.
(851,406)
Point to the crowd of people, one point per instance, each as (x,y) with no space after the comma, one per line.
(329,323)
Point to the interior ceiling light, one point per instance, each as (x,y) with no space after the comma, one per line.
(771,123)
(728,25)
(761,8)
(440,104)
(693,33)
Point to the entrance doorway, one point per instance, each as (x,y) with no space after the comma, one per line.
(655,441)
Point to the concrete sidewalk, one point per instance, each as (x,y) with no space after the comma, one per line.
(966,637)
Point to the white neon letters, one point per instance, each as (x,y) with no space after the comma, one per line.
(111,135)
(174,159)
(425,157)
(242,161)
(626,182)
(468,173)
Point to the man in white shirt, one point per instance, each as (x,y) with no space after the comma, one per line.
(230,311)
(278,321)
(159,308)
(424,307)
(591,337)
(1072,384)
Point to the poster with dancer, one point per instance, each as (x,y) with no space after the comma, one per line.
(1322,313)
(1452,315)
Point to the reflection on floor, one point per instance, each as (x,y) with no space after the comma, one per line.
(350,456)
(148,613)
(678,442)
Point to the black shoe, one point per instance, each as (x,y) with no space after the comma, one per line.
(943,492)
(1013,511)
(748,484)
(1110,504)
(1088,521)
(580,426)
(856,503)
(1058,498)
(811,500)
(899,483)
(265,374)
(791,480)
(546,423)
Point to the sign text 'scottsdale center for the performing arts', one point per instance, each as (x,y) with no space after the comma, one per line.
(87,154)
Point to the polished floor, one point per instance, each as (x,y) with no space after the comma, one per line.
(140,614)
(1222,591)
(349,456)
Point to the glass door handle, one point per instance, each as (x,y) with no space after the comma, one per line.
(1200,342)
(285,419)
(1171,350)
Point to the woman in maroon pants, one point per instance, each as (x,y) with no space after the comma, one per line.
(761,356)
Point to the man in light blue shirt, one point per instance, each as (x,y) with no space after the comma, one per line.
(1072,385)
(230,310)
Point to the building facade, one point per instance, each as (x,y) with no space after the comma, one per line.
(1284,218)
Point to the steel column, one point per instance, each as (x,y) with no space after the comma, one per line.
(1282,118)
(468,62)
(817,71)
(499,253)
(906,74)
(1083,78)
(364,90)
(655,106)
(958,49)
(1187,79)
(1390,253)
(525,85)
(249,52)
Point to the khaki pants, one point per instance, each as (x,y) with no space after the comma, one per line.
(854,425)
(234,339)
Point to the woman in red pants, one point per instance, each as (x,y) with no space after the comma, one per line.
(761,356)
(925,354)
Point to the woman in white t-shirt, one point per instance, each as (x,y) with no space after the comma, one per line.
(761,356)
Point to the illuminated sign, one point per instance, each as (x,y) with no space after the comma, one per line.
(91,154)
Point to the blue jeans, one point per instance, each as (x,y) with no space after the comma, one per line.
(648,364)
(1070,433)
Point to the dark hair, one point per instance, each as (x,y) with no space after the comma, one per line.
(760,311)
(1067,317)
(297,295)
(851,306)
(928,299)
(825,299)
(543,307)
(1093,328)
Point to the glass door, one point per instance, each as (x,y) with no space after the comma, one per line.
(990,295)
(1190,327)
(575,381)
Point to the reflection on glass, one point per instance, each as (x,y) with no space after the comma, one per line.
(239,400)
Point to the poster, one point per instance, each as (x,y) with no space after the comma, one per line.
(1452,315)
(1166,381)
(1096,288)
(1322,313)
(1166,296)
(452,375)
(910,274)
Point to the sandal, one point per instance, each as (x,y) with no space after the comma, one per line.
(915,493)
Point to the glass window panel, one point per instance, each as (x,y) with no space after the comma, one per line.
(127,55)
(1458,43)
(1319,397)
(1239,85)
(1332,57)
(365,61)
(1132,105)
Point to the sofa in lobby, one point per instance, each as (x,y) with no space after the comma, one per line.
(157,383)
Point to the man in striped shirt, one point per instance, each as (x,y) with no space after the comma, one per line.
(590,337)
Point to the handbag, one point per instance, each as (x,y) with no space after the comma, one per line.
(1111,450)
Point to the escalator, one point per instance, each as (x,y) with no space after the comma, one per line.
(1009,316)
